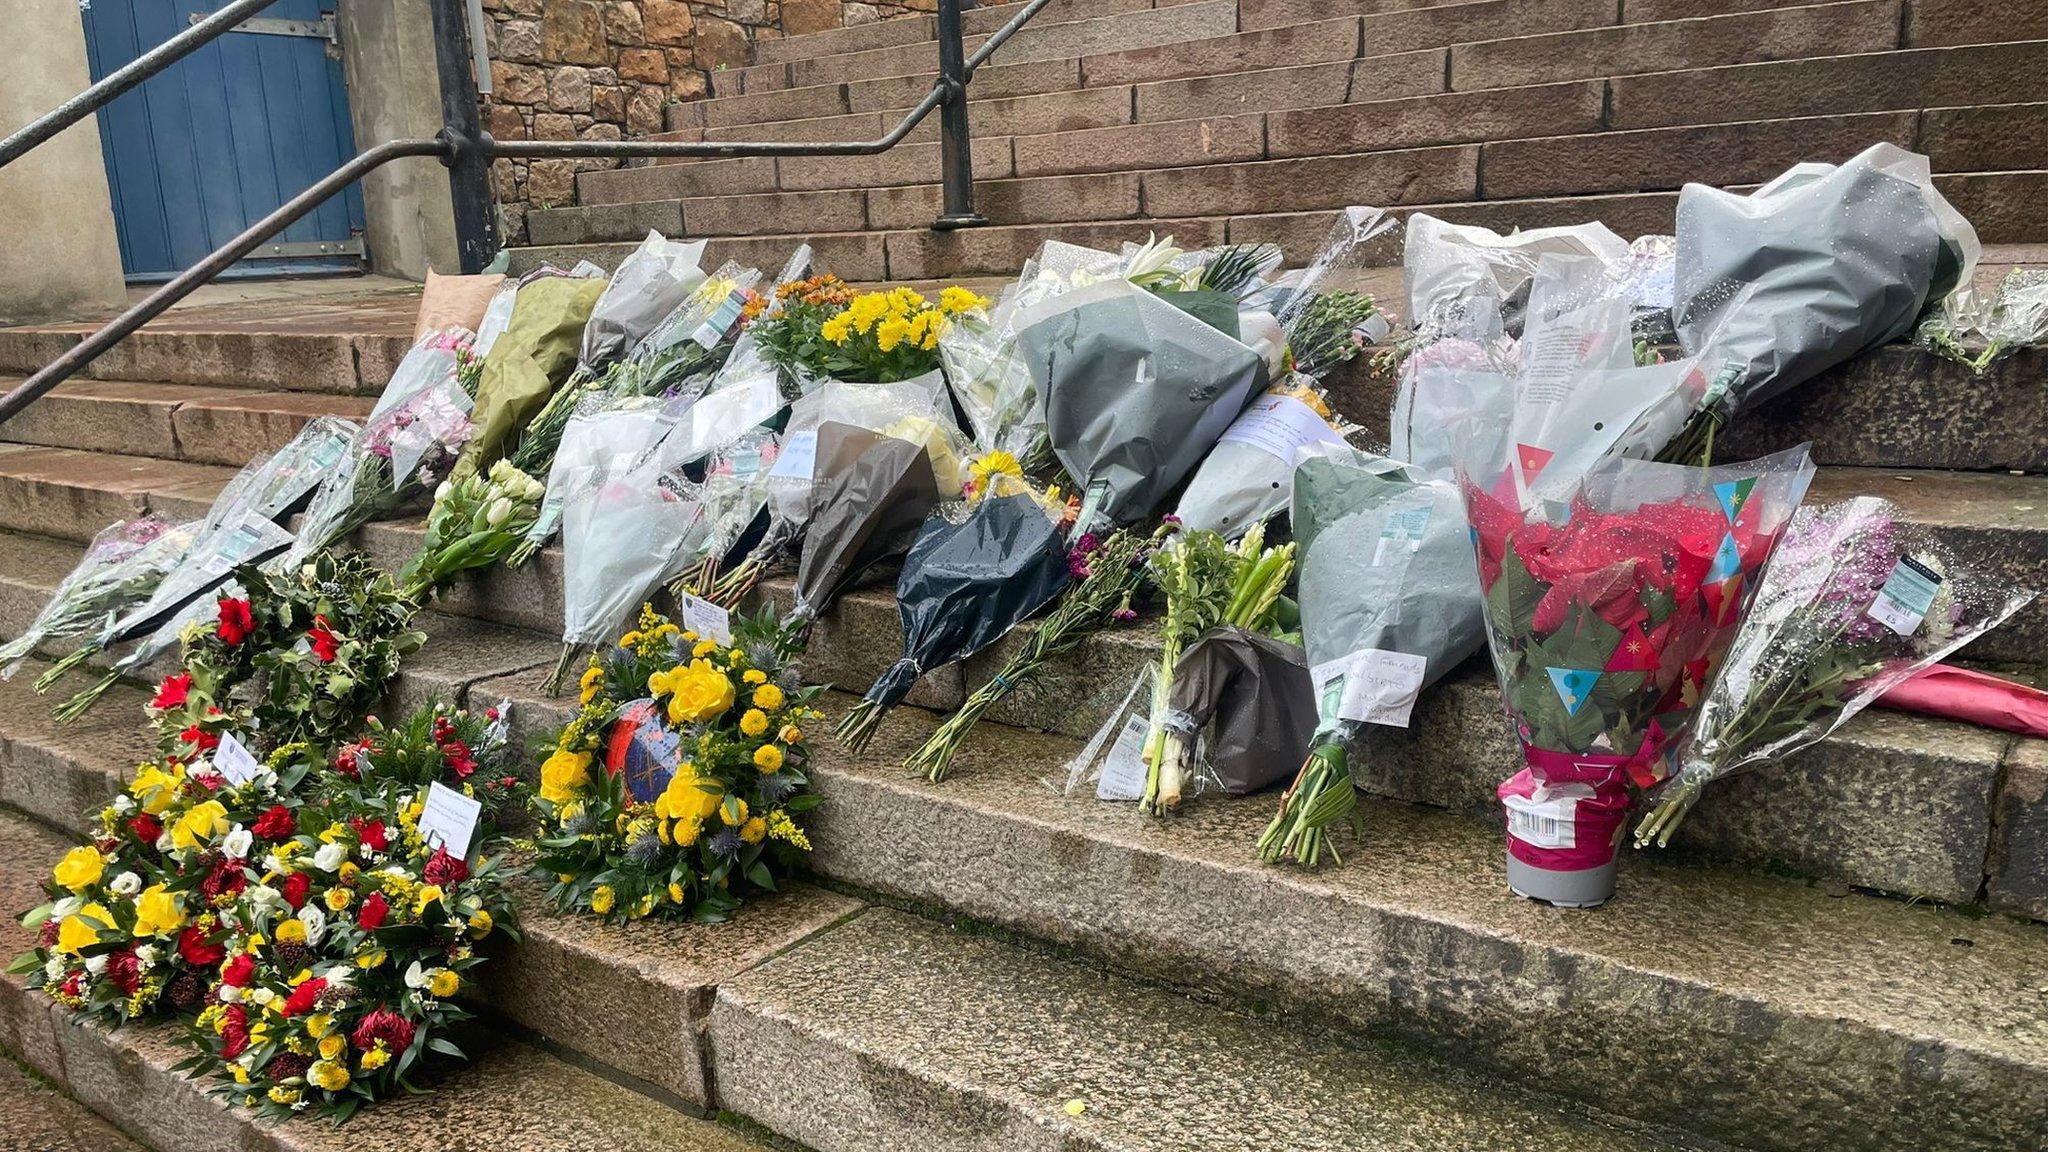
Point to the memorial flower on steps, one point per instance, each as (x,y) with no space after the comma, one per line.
(676,789)
(820,328)
(1606,618)
(357,930)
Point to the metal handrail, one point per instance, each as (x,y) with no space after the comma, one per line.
(468,150)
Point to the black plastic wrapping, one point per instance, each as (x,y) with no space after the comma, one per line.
(873,493)
(1257,693)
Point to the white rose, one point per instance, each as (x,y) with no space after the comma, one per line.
(418,977)
(164,842)
(126,884)
(229,994)
(261,997)
(315,921)
(238,842)
(263,895)
(96,964)
(329,857)
(68,906)
(123,805)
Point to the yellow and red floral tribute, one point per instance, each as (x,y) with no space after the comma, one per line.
(821,328)
(677,786)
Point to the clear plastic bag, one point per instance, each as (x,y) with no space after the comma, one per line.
(1446,266)
(606,433)
(106,580)
(1855,600)
(1247,476)
(1112,763)
(653,281)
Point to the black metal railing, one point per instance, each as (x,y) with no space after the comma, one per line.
(467,151)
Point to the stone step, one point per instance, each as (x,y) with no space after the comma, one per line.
(891,1032)
(1209,167)
(199,423)
(42,1117)
(1271,13)
(337,345)
(2005,207)
(508,1096)
(70,495)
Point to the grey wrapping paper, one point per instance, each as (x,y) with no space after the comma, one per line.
(1386,563)
(655,280)
(1134,391)
(1256,693)
(874,492)
(1787,281)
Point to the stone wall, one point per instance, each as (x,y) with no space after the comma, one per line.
(606,69)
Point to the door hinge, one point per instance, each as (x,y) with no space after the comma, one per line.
(322,29)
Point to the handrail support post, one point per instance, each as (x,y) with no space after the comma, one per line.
(956,151)
(469,147)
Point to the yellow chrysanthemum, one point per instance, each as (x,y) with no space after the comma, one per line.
(593,679)
(754,722)
(328,1075)
(955,299)
(768,758)
(754,830)
(601,898)
(291,932)
(629,639)
(734,812)
(754,676)
(447,982)
(80,868)
(768,697)
(283,1095)
(375,1058)
(889,333)
(838,329)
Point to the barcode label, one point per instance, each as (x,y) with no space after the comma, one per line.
(1123,770)
(1906,596)
(1544,823)
(709,333)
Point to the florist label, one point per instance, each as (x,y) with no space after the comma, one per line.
(1403,532)
(448,820)
(709,333)
(799,456)
(1123,770)
(1906,596)
(1280,426)
(707,619)
(234,762)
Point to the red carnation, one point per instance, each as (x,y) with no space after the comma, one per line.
(445,870)
(372,914)
(234,1031)
(173,691)
(236,621)
(197,950)
(325,646)
(276,824)
(296,886)
(226,878)
(383,1024)
(146,828)
(371,833)
(303,997)
(125,971)
(238,970)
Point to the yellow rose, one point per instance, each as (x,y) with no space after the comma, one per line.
(629,639)
(754,830)
(563,775)
(200,823)
(291,931)
(601,898)
(446,983)
(332,1046)
(699,693)
(371,959)
(156,788)
(80,868)
(157,912)
(754,722)
(428,894)
(480,925)
(319,1024)
(338,898)
(768,697)
(688,797)
(328,1075)
(790,734)
(74,934)
(768,758)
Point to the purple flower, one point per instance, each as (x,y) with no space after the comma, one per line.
(1124,615)
(726,842)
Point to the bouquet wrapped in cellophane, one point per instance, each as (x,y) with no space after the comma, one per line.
(874,490)
(1606,614)
(1977,332)
(1855,600)
(475,522)
(404,449)
(123,561)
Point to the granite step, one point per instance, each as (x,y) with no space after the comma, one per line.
(1212,166)
(70,494)
(204,424)
(33,1114)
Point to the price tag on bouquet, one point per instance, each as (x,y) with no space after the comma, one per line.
(1550,823)
(707,620)
(709,333)
(235,763)
(1123,770)
(448,820)
(1907,595)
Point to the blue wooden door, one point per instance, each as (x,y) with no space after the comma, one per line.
(208,146)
